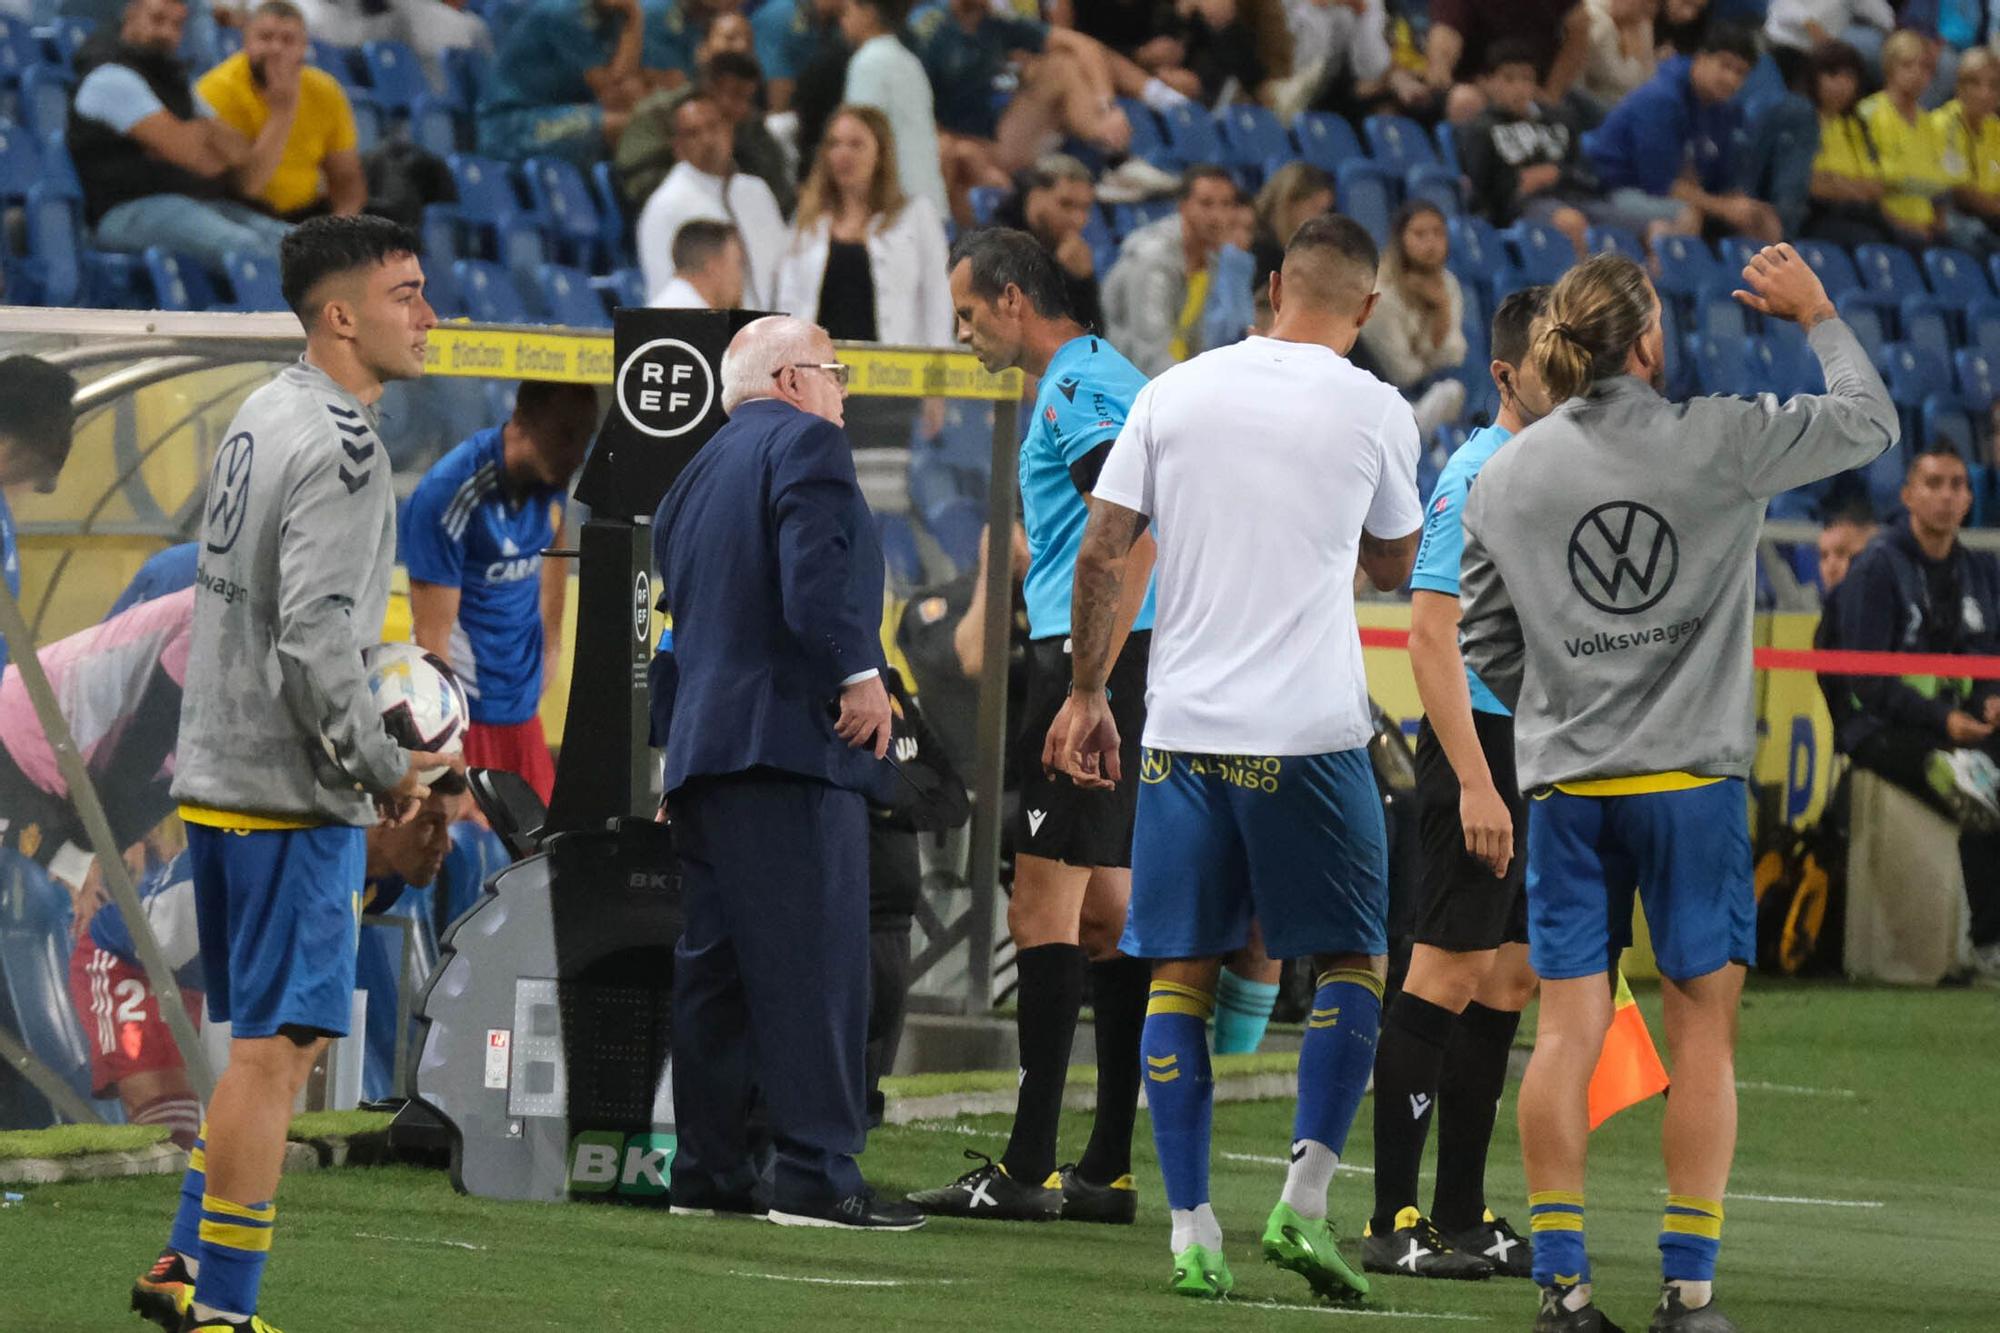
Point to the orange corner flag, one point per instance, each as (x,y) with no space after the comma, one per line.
(1628,1068)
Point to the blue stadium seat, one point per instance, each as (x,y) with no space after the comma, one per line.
(228,41)
(1977,374)
(899,550)
(1477,244)
(1680,370)
(1833,264)
(1888,268)
(1103,246)
(1541,253)
(489,209)
(490,295)
(1720,365)
(1614,241)
(1914,376)
(1947,424)
(433,125)
(368,121)
(343,62)
(569,299)
(1482,399)
(179,282)
(1435,185)
(116,282)
(1982,324)
(1191,134)
(54,221)
(611,212)
(1445,135)
(439,232)
(1367,193)
(395,75)
(1325,140)
(1872,322)
(68,32)
(44,100)
(1734,254)
(1926,324)
(35,916)
(1720,315)
(1149,141)
(464,71)
(20,163)
(622,287)
(19,50)
(253,282)
(1782,363)
(1253,136)
(932,481)
(985,201)
(567,210)
(1686,267)
(956,527)
(1398,142)
(1956,274)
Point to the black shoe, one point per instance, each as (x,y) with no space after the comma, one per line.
(988,1192)
(865,1211)
(1554,1317)
(163,1293)
(1672,1315)
(1116,1203)
(1509,1252)
(696,1201)
(1415,1249)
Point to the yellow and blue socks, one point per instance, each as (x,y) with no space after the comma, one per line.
(235,1242)
(185,1239)
(1335,1061)
(1690,1239)
(1555,1221)
(1242,1012)
(1180,1090)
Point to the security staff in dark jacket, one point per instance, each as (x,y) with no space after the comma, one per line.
(1918,589)
(779,721)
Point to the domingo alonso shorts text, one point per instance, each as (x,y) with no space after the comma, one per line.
(1295,840)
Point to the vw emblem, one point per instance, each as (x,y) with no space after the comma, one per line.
(1623,557)
(228,492)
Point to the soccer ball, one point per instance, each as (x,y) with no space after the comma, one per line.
(420,699)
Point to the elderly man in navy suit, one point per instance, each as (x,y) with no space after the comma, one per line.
(771,569)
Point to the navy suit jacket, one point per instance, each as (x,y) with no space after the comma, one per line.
(772,573)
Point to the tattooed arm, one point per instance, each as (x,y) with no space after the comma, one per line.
(1111,570)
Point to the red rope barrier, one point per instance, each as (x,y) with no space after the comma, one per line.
(1843,663)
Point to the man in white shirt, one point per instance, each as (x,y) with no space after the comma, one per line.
(1271,468)
(705,184)
(885,74)
(708,269)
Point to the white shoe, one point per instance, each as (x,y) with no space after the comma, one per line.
(1133,180)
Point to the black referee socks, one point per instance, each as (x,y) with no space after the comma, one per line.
(1475,1074)
(1414,1034)
(1118,990)
(1047,998)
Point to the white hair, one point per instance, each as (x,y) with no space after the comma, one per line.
(760,350)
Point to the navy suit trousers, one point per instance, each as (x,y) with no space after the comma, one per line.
(771,983)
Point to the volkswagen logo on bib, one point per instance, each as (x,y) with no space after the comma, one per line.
(1623,557)
(665,388)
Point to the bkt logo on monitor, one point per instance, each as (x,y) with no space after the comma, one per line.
(604,1161)
(1623,557)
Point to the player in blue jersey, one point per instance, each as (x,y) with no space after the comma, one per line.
(1073,848)
(36,421)
(481,596)
(1446,1036)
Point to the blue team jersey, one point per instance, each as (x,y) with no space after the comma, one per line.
(167,895)
(1443,544)
(10,562)
(1085,394)
(164,572)
(461,529)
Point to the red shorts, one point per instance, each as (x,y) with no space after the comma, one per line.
(121,1017)
(516,748)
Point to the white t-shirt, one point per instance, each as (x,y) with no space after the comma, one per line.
(1259,465)
(686,195)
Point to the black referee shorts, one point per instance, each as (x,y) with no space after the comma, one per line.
(1059,820)
(1461,907)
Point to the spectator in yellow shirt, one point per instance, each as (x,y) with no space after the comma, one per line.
(1846,191)
(1972,145)
(302,157)
(1909,143)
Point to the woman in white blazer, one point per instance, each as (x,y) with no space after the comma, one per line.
(866,261)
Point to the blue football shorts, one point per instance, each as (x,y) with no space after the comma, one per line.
(279,917)
(1296,841)
(1687,855)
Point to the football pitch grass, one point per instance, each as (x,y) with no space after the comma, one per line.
(1864,1199)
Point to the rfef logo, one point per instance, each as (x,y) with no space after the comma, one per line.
(642,605)
(665,388)
(1623,557)
(604,1161)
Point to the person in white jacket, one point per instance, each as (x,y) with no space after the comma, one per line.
(866,262)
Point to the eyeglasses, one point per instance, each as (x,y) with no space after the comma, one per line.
(839,370)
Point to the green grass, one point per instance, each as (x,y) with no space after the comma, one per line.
(1003,1080)
(76,1140)
(1863,1096)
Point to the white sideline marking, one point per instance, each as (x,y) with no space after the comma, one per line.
(1751,1085)
(1809,1203)
(1360,1313)
(1340,1167)
(944,1127)
(418,1240)
(848,1281)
